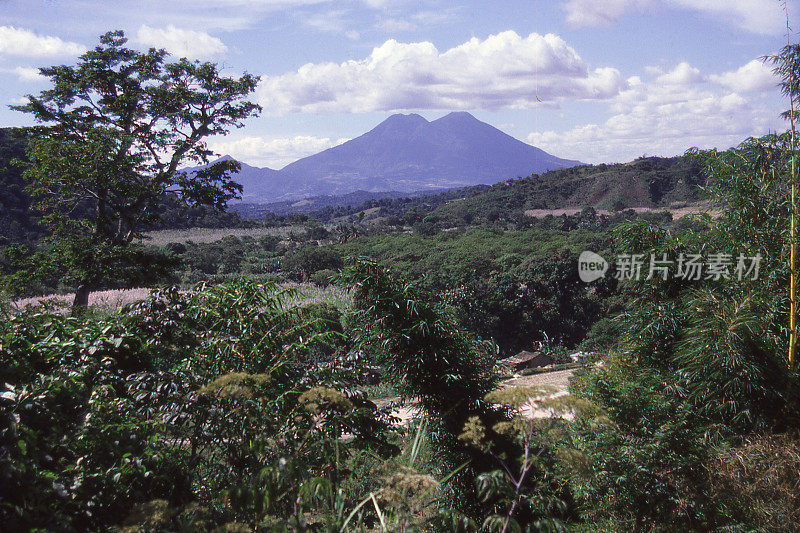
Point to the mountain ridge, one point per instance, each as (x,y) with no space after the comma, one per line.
(405,153)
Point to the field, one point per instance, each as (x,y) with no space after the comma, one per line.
(100,300)
(307,293)
(206,235)
(676,212)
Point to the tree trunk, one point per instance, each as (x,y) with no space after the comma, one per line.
(81,301)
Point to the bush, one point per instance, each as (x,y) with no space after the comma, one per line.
(323,278)
(301,263)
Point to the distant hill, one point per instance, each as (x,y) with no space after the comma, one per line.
(256,211)
(650,182)
(646,182)
(404,153)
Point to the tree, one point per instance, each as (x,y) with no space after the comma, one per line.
(115,131)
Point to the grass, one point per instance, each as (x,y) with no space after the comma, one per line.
(99,300)
(308,293)
(206,235)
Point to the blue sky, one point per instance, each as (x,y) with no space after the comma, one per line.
(594,80)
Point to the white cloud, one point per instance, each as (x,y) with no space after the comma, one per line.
(377,4)
(272,152)
(180,42)
(501,71)
(683,74)
(396,25)
(757,16)
(658,118)
(581,13)
(21,42)
(26,74)
(330,21)
(754,76)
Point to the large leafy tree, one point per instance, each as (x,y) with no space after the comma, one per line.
(115,131)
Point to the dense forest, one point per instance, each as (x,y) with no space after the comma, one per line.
(342,370)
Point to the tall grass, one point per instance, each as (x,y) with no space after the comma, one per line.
(206,235)
(307,293)
(99,300)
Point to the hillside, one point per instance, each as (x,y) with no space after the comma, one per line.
(647,182)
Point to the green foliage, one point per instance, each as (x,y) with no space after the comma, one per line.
(205,397)
(526,488)
(646,465)
(17,221)
(307,260)
(700,360)
(514,287)
(419,345)
(425,354)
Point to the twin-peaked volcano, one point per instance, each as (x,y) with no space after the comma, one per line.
(404,153)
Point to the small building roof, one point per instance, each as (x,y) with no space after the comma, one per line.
(521,357)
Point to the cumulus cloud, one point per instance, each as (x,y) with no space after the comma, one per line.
(273,152)
(682,74)
(501,71)
(582,13)
(181,42)
(754,76)
(21,42)
(658,118)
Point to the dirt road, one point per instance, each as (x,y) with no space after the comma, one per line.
(557,380)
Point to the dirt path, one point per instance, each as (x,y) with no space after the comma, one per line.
(557,380)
